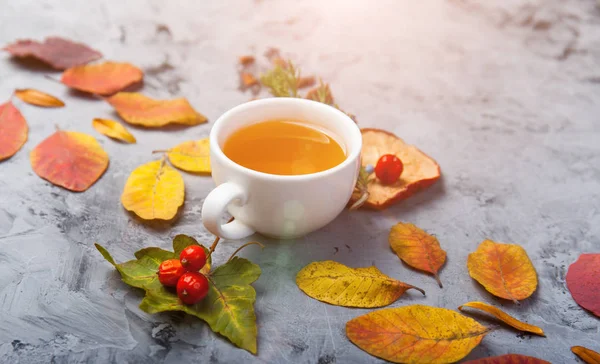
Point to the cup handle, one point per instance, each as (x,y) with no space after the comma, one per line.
(215,205)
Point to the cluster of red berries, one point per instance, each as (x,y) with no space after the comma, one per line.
(183,273)
(388,169)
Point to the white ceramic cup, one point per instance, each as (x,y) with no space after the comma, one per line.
(275,205)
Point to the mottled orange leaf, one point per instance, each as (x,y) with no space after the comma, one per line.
(248,79)
(417,248)
(191,156)
(246,60)
(508,359)
(587,355)
(102,78)
(57,52)
(38,98)
(416,334)
(503,316)
(504,270)
(307,81)
(113,129)
(420,171)
(138,109)
(583,281)
(69,159)
(13,130)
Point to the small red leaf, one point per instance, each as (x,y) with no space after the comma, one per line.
(57,52)
(508,359)
(583,281)
(13,130)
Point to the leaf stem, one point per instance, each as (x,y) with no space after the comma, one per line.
(160,151)
(243,246)
(437,279)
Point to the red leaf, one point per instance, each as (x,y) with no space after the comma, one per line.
(57,52)
(13,130)
(583,281)
(508,359)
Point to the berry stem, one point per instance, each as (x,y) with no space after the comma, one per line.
(243,246)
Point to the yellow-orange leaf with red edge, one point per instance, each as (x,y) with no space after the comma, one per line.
(417,248)
(416,334)
(13,130)
(508,359)
(113,129)
(38,98)
(138,109)
(102,78)
(69,159)
(504,270)
(503,316)
(587,355)
(191,156)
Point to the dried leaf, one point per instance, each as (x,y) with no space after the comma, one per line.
(282,81)
(192,156)
(38,98)
(321,93)
(113,129)
(307,81)
(583,281)
(416,334)
(69,159)
(138,109)
(587,355)
(420,171)
(102,78)
(508,359)
(246,60)
(13,130)
(57,52)
(417,248)
(503,269)
(248,80)
(337,284)
(503,316)
(154,190)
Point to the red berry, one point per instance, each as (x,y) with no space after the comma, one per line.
(169,272)
(388,169)
(192,287)
(193,258)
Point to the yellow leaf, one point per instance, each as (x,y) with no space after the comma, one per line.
(503,269)
(416,334)
(154,190)
(113,129)
(191,156)
(337,284)
(587,355)
(38,98)
(506,318)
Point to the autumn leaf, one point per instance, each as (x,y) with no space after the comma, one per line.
(57,52)
(191,156)
(102,78)
(321,93)
(113,129)
(228,308)
(334,283)
(503,269)
(508,359)
(420,171)
(246,60)
(587,355)
(138,109)
(503,316)
(38,98)
(154,190)
(417,248)
(69,159)
(13,130)
(248,80)
(307,81)
(416,334)
(583,281)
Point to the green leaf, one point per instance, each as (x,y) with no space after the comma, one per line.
(181,242)
(105,254)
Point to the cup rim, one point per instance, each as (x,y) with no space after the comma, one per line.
(356,137)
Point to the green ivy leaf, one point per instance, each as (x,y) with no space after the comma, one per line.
(229,306)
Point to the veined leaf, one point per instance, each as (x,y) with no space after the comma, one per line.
(506,318)
(13,130)
(191,156)
(587,355)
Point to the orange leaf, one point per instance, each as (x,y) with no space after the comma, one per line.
(138,109)
(38,98)
(420,171)
(57,52)
(587,355)
(504,270)
(508,359)
(417,248)
(506,318)
(102,78)
(307,81)
(113,129)
(248,79)
(69,159)
(13,130)
(246,60)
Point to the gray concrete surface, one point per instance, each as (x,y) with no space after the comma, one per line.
(506,97)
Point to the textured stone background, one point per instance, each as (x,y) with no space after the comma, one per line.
(505,97)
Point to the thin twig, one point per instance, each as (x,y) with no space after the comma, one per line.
(161,151)
(215,242)
(243,246)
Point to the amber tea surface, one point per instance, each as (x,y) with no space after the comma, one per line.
(284,147)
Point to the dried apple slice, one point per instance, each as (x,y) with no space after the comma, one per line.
(420,171)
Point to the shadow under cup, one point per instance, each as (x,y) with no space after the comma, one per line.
(279,206)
